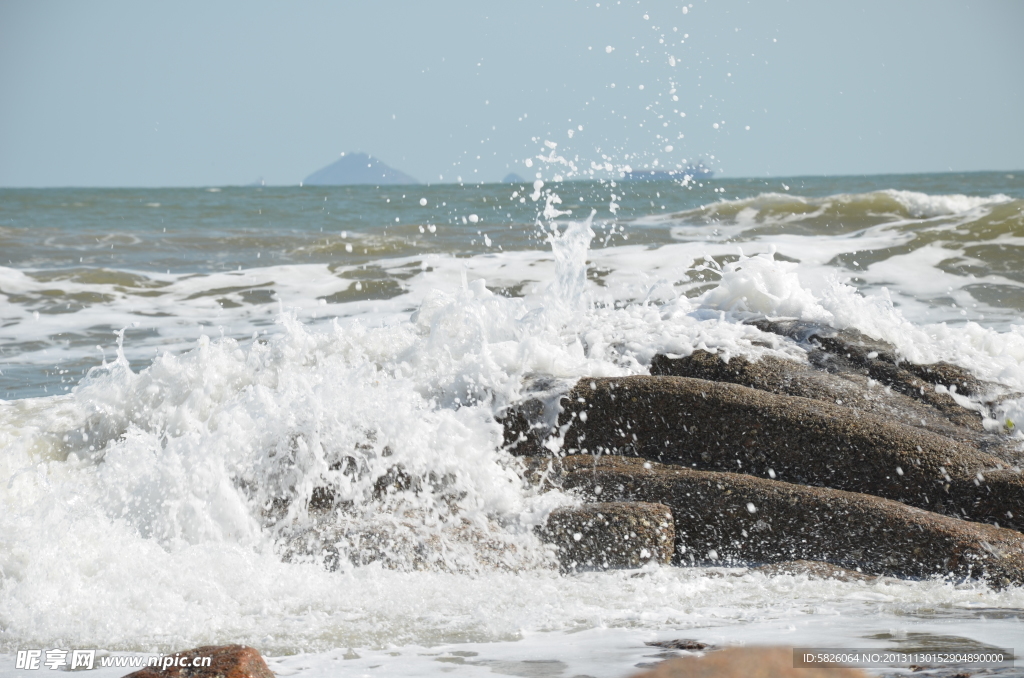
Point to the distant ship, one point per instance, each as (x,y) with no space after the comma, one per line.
(688,173)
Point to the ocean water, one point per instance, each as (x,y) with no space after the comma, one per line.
(181,370)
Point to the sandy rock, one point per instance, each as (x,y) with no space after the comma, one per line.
(933,411)
(848,350)
(745,662)
(227,661)
(611,535)
(725,518)
(850,347)
(727,427)
(851,389)
(893,391)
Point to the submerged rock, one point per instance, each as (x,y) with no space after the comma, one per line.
(745,662)
(397,542)
(812,569)
(727,427)
(723,518)
(226,661)
(611,535)
(680,644)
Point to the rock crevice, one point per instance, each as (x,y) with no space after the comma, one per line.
(717,426)
(732,518)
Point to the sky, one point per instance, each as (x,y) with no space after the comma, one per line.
(111,93)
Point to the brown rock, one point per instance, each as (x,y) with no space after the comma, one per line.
(850,389)
(745,662)
(611,535)
(848,350)
(733,518)
(526,425)
(226,661)
(924,407)
(719,426)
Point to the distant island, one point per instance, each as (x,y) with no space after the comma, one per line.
(513,178)
(356,169)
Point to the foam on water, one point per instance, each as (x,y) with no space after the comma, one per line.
(941,258)
(841,210)
(179,500)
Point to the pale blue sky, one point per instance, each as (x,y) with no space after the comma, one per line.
(199,93)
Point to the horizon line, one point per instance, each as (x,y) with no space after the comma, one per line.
(489,183)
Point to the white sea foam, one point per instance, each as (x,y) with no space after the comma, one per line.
(150,506)
(924,206)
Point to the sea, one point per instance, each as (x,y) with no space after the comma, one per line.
(184,373)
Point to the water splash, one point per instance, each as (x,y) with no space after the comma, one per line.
(570,248)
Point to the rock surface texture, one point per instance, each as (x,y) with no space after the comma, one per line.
(851,389)
(732,518)
(854,458)
(611,535)
(226,661)
(719,426)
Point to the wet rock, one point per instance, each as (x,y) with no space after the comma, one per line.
(226,661)
(333,546)
(851,389)
(727,427)
(611,535)
(910,384)
(680,644)
(528,424)
(745,662)
(731,518)
(848,351)
(946,374)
